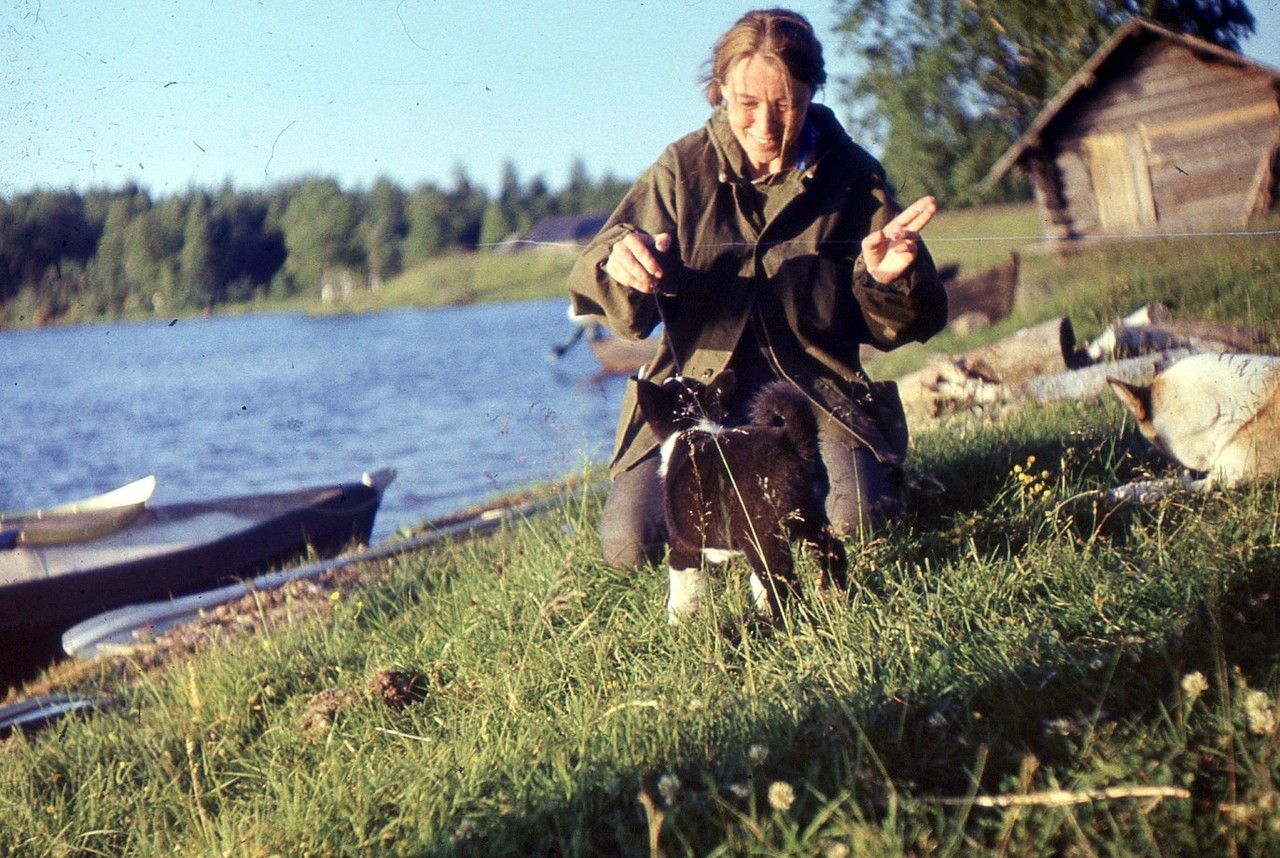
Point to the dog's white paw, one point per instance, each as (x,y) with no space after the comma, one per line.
(760,596)
(687,586)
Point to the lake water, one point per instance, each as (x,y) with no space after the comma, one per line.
(462,401)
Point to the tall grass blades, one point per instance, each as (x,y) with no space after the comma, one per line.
(1020,668)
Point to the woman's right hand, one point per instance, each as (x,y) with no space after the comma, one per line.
(634,260)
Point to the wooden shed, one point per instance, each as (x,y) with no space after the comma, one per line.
(1158,132)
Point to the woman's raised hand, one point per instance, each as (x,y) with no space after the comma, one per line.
(890,251)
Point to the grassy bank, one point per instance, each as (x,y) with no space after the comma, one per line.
(1018,670)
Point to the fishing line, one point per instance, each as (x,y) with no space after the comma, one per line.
(936,239)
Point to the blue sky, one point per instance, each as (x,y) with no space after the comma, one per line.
(199,92)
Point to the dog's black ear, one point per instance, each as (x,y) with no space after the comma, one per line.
(723,386)
(658,406)
(1134,397)
(651,398)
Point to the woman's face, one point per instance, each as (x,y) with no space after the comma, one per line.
(766,110)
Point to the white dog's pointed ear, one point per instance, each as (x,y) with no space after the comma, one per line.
(1136,398)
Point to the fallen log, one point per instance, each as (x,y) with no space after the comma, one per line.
(1030,352)
(945,387)
(1042,363)
(952,383)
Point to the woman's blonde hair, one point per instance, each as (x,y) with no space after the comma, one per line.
(779,35)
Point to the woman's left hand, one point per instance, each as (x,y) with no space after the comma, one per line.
(890,251)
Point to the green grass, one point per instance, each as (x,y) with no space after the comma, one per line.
(980,238)
(1013,638)
(471,278)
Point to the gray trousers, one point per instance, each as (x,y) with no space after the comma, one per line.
(865,496)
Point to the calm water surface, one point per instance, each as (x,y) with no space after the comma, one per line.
(463,402)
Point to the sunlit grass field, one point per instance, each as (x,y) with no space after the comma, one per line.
(1019,669)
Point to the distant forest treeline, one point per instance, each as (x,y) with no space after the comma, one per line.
(66,255)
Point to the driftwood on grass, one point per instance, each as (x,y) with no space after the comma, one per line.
(945,387)
(983,376)
(1153,328)
(1028,353)
(1044,363)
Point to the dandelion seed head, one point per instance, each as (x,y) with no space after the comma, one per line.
(834,849)
(781,795)
(465,831)
(669,788)
(1061,726)
(1194,684)
(757,754)
(1258,713)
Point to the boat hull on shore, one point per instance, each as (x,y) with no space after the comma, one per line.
(169,550)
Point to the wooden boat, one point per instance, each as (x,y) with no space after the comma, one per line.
(173,549)
(622,357)
(78,520)
(615,356)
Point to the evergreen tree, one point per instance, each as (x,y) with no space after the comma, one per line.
(494,227)
(539,203)
(197,275)
(425,236)
(107,286)
(464,212)
(512,207)
(576,196)
(382,231)
(319,233)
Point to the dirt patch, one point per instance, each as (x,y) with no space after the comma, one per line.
(113,672)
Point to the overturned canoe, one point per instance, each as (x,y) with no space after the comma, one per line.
(169,550)
(79,520)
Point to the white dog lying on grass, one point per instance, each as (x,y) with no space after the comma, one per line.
(1215,413)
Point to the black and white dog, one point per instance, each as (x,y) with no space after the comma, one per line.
(749,490)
